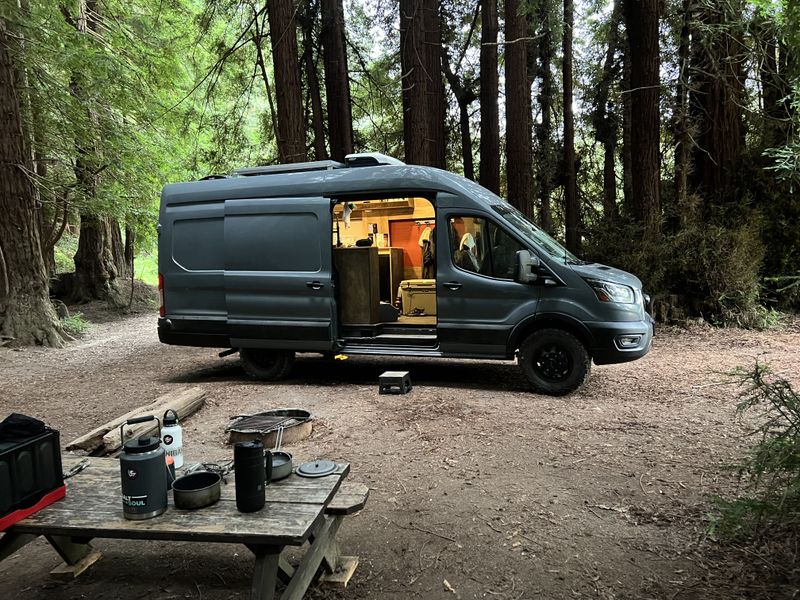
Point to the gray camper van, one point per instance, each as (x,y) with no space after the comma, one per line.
(372,256)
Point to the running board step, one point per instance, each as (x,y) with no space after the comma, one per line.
(389,350)
(394,339)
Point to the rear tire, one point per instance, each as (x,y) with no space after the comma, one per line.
(266,365)
(555,362)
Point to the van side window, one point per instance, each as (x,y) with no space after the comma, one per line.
(478,245)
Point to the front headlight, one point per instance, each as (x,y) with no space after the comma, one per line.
(612,292)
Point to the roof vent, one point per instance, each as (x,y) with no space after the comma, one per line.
(370,159)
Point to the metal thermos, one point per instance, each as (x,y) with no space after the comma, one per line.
(253,471)
(172,437)
(143,469)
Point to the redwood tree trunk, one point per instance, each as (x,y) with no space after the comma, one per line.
(26,314)
(544,157)
(464,97)
(681,125)
(641,23)
(312,80)
(604,118)
(717,98)
(571,207)
(490,119)
(518,110)
(337,79)
(423,90)
(288,92)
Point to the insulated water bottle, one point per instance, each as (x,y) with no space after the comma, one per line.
(172,437)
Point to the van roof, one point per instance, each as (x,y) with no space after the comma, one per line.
(385,179)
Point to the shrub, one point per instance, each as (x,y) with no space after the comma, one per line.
(770,472)
(75,324)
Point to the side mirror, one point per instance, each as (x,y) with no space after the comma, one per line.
(526,263)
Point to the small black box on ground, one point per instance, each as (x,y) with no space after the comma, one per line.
(29,469)
(394,382)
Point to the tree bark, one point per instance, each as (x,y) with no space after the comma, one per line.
(641,23)
(337,79)
(312,80)
(423,89)
(26,314)
(288,92)
(97,257)
(604,119)
(717,98)
(518,110)
(627,118)
(544,154)
(681,124)
(572,215)
(490,115)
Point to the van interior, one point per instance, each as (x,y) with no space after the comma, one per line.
(384,258)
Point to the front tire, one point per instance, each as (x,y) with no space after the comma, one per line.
(266,365)
(555,362)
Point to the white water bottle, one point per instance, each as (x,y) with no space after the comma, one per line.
(172,437)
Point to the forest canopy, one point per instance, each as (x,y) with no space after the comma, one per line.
(657,136)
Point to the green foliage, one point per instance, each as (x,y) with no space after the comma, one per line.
(146,268)
(713,268)
(75,324)
(770,472)
(64,252)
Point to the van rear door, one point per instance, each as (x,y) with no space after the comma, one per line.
(278,286)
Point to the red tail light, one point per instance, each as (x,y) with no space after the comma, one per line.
(162,311)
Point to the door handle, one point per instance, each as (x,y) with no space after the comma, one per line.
(452,285)
(315,285)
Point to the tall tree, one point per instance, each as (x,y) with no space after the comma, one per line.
(518,109)
(423,89)
(462,84)
(288,91)
(26,314)
(489,80)
(641,24)
(337,79)
(99,259)
(717,99)
(308,19)
(571,205)
(681,122)
(604,117)
(545,159)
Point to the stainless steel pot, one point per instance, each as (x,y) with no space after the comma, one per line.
(281,464)
(197,490)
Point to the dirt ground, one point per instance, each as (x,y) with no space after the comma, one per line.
(474,480)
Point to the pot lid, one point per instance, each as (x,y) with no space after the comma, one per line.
(142,445)
(316,468)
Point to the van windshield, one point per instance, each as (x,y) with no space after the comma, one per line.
(532,232)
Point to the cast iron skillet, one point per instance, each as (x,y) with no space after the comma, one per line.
(196,490)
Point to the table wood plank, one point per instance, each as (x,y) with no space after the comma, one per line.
(93,508)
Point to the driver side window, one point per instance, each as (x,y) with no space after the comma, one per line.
(479,246)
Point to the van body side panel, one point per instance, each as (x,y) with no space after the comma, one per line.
(190,259)
(277,254)
(477,318)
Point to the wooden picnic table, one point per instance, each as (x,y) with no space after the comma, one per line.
(298,510)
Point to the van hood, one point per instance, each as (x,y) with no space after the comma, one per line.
(606,273)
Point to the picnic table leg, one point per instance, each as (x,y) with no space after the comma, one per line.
(321,544)
(330,558)
(265,574)
(11,542)
(77,553)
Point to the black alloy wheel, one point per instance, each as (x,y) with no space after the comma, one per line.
(266,365)
(554,361)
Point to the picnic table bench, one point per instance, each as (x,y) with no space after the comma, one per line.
(298,510)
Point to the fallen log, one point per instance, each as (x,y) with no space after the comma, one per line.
(106,437)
